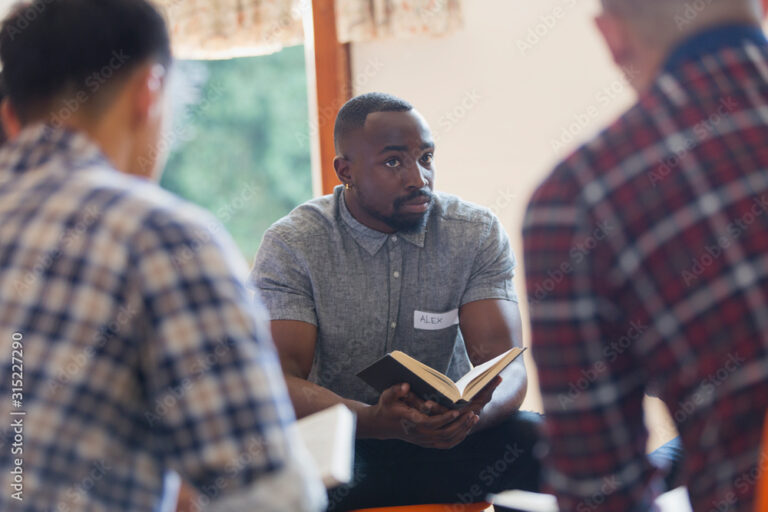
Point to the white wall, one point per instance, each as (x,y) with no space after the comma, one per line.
(507,97)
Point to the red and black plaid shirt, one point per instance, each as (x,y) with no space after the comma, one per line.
(646,256)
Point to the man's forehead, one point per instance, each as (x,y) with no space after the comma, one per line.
(400,127)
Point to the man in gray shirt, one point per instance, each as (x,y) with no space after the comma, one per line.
(382,264)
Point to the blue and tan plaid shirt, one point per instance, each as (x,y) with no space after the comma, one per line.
(130,347)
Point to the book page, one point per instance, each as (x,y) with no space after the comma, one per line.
(463,382)
(329,436)
(434,378)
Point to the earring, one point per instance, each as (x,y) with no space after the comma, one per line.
(346,186)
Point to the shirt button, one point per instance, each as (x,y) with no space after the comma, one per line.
(396,274)
(393,324)
(394,238)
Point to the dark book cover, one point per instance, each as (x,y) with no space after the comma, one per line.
(387,372)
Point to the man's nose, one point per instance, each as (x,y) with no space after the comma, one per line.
(416,177)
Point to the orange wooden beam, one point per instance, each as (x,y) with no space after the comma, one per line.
(333,82)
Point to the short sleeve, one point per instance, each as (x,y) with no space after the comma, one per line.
(282,280)
(493,268)
(213,384)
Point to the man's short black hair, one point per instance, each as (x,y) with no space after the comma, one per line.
(353,114)
(51,48)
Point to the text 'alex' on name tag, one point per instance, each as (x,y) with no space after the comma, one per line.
(435,321)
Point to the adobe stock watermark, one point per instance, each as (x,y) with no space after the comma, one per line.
(505,198)
(691,12)
(576,256)
(363,75)
(30,15)
(199,367)
(457,113)
(488,475)
(17,416)
(610,353)
(91,86)
(705,391)
(685,142)
(431,9)
(87,217)
(744,483)
(544,26)
(585,118)
(610,485)
(289,18)
(252,457)
(75,497)
(180,132)
(214,226)
(73,368)
(733,232)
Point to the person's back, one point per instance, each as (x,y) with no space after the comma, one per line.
(134,347)
(654,279)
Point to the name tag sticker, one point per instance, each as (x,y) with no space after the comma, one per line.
(435,321)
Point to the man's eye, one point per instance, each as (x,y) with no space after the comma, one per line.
(428,158)
(393,163)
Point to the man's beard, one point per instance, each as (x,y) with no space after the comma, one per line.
(407,222)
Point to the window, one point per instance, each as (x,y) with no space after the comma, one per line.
(240,140)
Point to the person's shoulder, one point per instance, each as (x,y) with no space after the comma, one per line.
(133,208)
(582,173)
(315,218)
(452,209)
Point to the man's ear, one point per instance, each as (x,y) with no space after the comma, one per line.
(147,93)
(9,120)
(341,166)
(615,36)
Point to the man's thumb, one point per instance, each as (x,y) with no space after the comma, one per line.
(394,393)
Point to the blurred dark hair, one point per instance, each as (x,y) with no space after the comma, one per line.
(76,48)
(3,136)
(353,114)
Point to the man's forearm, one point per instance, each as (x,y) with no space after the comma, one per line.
(309,398)
(507,398)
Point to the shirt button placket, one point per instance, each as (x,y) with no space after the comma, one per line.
(395,267)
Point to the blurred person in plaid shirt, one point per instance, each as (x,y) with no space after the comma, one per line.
(133,350)
(647,265)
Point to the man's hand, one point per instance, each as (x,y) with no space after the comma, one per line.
(484,397)
(395,419)
(476,405)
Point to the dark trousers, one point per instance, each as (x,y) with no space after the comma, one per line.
(389,473)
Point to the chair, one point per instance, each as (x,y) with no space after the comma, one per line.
(761,499)
(461,507)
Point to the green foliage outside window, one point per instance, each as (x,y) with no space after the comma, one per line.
(239,141)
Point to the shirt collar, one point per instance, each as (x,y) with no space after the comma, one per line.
(370,239)
(712,40)
(39,143)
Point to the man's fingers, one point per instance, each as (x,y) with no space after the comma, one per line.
(486,394)
(439,421)
(457,431)
(394,393)
(417,403)
(435,408)
(462,423)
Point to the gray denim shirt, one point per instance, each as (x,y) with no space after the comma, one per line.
(370,293)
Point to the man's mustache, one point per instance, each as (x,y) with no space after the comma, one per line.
(416,194)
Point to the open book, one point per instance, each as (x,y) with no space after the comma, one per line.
(428,383)
(676,500)
(329,436)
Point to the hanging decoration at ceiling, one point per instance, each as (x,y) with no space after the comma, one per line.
(222,29)
(367,20)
